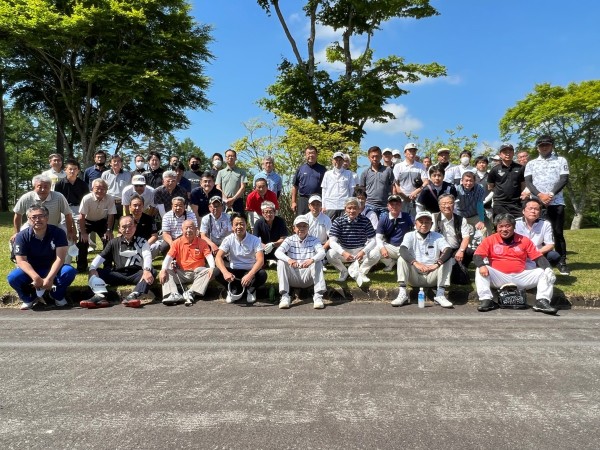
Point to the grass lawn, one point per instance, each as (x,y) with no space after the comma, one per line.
(584,282)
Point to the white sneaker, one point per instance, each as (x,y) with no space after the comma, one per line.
(228,299)
(318,301)
(365,278)
(443,301)
(343,276)
(27,305)
(172,299)
(285,301)
(60,302)
(251,296)
(402,298)
(188,296)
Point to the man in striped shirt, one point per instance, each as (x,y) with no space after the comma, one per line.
(351,238)
(300,264)
(172,223)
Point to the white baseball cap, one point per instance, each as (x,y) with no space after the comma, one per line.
(410,146)
(300,219)
(315,198)
(97,285)
(138,180)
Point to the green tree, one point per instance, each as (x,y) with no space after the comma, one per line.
(572,116)
(111,70)
(360,93)
(455,141)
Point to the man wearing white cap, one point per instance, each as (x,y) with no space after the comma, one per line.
(300,264)
(337,186)
(387,157)
(318,223)
(396,156)
(216,225)
(425,261)
(138,186)
(410,177)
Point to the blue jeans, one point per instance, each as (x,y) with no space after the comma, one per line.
(19,281)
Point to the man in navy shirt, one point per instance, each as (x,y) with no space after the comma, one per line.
(40,252)
(307,181)
(95,171)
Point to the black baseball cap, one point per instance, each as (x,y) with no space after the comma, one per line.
(544,139)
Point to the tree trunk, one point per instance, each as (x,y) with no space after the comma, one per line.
(576,222)
(3,159)
(578,207)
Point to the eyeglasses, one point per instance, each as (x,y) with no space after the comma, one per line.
(38,217)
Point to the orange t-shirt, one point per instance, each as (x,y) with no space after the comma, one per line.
(189,255)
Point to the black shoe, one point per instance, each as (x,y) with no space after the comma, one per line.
(486,305)
(563,269)
(543,305)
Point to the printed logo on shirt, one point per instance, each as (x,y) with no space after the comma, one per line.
(498,249)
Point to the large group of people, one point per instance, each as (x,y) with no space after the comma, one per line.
(431,221)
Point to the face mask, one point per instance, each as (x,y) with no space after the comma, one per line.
(395,160)
(194,166)
(217,163)
(465,160)
(140,164)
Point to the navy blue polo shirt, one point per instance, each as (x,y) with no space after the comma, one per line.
(200,199)
(352,234)
(41,254)
(394,229)
(308,179)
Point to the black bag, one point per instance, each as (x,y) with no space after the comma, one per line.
(459,275)
(509,296)
(418,181)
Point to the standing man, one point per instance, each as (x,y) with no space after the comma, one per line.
(96,214)
(300,264)
(347,163)
(199,200)
(377,181)
(117,180)
(410,179)
(507,181)
(231,181)
(164,195)
(443,156)
(523,157)
(56,172)
(140,165)
(195,172)
(501,259)
(95,171)
(155,172)
(307,181)
(338,185)
(546,177)
(274,181)
(387,158)
(216,164)
(455,173)
(427,163)
(318,223)
(40,252)
(138,187)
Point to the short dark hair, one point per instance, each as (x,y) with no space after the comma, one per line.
(468,174)
(534,200)
(136,196)
(216,154)
(311,147)
(193,157)
(373,149)
(481,158)
(153,153)
(260,179)
(359,191)
(100,152)
(73,162)
(208,174)
(238,215)
(505,217)
(436,169)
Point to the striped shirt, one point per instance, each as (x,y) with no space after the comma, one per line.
(298,250)
(352,234)
(174,225)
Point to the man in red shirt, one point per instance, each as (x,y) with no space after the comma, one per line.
(500,259)
(260,194)
(191,254)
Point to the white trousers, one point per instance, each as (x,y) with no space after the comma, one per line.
(198,277)
(375,256)
(527,279)
(301,277)
(336,260)
(411,276)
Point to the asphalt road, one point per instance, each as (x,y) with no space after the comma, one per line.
(355,375)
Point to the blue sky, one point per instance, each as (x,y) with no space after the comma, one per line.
(494,52)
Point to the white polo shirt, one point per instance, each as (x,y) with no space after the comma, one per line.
(242,254)
(426,250)
(405,174)
(337,186)
(319,226)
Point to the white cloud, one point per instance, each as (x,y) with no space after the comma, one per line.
(403,123)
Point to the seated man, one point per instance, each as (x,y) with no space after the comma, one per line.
(271,230)
(145,225)
(391,229)
(500,260)
(300,264)
(246,259)
(455,230)
(216,225)
(425,261)
(191,254)
(138,187)
(538,230)
(351,238)
(318,223)
(40,252)
(172,223)
(364,209)
(256,198)
(127,260)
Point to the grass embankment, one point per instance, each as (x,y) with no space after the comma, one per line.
(582,285)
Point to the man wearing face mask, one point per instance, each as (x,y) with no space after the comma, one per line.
(140,165)
(454,174)
(195,172)
(396,157)
(337,186)
(217,164)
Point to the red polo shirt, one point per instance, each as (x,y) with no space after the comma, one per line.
(508,258)
(254,200)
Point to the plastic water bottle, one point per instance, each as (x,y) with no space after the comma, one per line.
(421,298)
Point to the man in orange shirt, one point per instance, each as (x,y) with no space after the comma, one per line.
(186,263)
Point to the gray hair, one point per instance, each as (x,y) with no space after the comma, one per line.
(100,181)
(505,217)
(445,196)
(352,201)
(269,159)
(41,179)
(169,174)
(267,205)
(178,199)
(36,207)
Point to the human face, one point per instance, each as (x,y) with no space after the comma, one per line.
(427,162)
(394,208)
(169,183)
(444,157)
(261,188)
(216,209)
(346,164)
(208,184)
(446,207)
(436,178)
(136,207)
(467,182)
(506,156)
(42,189)
(387,158)
(505,230)
(116,164)
(99,191)
(231,158)
(423,225)
(482,166)
(127,227)
(173,161)
(139,159)
(531,212)
(194,164)
(301,230)
(178,207)
(410,154)
(72,171)
(544,149)
(239,227)
(56,163)
(189,230)
(338,162)
(100,159)
(522,158)
(311,156)
(315,208)
(268,166)
(352,211)
(375,158)
(269,215)
(139,188)
(154,163)
(38,220)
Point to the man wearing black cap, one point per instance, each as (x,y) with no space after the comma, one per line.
(546,176)
(507,182)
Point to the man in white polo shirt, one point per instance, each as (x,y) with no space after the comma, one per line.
(410,177)
(138,186)
(300,264)
(337,185)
